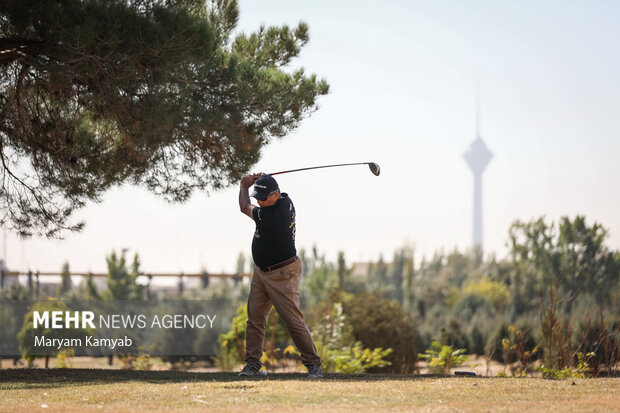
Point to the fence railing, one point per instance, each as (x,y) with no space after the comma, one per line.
(147,274)
(35,276)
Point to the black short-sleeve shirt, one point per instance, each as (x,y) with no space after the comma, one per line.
(274,239)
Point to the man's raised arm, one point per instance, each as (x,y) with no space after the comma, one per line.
(244,197)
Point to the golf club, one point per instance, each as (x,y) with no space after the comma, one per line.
(374,168)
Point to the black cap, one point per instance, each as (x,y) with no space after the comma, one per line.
(263,187)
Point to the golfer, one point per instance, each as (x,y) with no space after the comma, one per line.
(277,273)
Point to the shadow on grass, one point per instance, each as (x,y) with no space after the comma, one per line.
(42,378)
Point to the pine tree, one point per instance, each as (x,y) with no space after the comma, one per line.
(122,284)
(159,93)
(396,275)
(91,288)
(408,281)
(343,272)
(65,283)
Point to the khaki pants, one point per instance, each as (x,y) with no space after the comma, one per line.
(280,288)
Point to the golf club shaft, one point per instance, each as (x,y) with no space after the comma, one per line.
(319,167)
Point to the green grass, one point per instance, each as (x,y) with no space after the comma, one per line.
(83,390)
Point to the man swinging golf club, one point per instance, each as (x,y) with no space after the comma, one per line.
(277,273)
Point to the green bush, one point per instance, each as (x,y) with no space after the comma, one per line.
(442,358)
(517,348)
(600,340)
(339,351)
(63,358)
(233,342)
(27,334)
(476,341)
(382,323)
(472,305)
(580,371)
(494,348)
(495,292)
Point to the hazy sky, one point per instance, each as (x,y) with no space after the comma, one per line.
(403,77)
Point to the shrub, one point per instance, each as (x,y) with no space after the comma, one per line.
(476,341)
(580,371)
(454,336)
(381,323)
(27,334)
(494,348)
(495,292)
(63,358)
(515,347)
(233,342)
(339,351)
(556,344)
(442,358)
(470,305)
(602,341)
(143,361)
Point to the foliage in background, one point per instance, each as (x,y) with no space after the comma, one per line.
(15,292)
(63,358)
(572,257)
(140,361)
(338,348)
(463,301)
(65,282)
(123,282)
(580,370)
(471,302)
(441,358)
(515,348)
(381,323)
(28,332)
(556,346)
(600,342)
(495,292)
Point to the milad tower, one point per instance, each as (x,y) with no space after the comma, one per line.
(478,157)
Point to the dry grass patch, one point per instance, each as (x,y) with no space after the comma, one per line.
(76,390)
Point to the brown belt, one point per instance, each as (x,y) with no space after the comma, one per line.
(279,265)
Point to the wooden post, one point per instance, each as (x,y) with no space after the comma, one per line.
(30,286)
(205,280)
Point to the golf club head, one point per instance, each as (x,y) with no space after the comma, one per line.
(374,168)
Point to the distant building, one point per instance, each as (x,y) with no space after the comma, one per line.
(360,269)
(477,157)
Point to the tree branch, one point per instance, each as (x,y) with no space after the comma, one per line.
(12,49)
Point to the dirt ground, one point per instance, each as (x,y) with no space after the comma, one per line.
(479,365)
(105,390)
